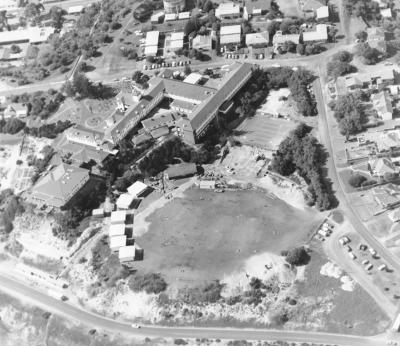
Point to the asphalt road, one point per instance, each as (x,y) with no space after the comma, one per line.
(66,310)
(347,207)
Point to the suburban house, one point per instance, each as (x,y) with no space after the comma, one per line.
(228,10)
(258,39)
(279,39)
(374,79)
(202,43)
(376,38)
(319,35)
(253,8)
(33,35)
(59,185)
(137,189)
(230,34)
(310,8)
(382,103)
(387,195)
(386,13)
(75,10)
(382,167)
(322,13)
(16,110)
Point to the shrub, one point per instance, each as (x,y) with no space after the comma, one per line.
(357,180)
(297,256)
(150,283)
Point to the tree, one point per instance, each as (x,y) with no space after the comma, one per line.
(361,35)
(33,10)
(187,70)
(81,84)
(300,49)
(297,256)
(336,69)
(15,49)
(150,283)
(356,180)
(370,55)
(56,15)
(348,111)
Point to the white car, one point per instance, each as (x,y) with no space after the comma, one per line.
(136,326)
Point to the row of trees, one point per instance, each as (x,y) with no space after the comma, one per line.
(301,152)
(10,206)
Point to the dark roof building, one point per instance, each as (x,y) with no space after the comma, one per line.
(181,170)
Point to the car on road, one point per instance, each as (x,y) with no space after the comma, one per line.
(136,326)
(352,255)
(372,252)
(363,247)
(344,240)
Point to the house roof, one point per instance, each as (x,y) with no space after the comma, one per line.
(141,138)
(118,216)
(227,8)
(322,12)
(263,5)
(382,102)
(319,34)
(386,13)
(75,9)
(382,166)
(202,41)
(159,132)
(312,5)
(193,78)
(18,107)
(257,38)
(152,38)
(117,241)
(58,186)
(116,229)
(184,15)
(279,38)
(127,252)
(375,33)
(230,30)
(137,188)
(125,200)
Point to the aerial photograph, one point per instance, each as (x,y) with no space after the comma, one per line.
(199,172)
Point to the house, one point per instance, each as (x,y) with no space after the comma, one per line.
(160,132)
(157,18)
(125,201)
(116,230)
(376,38)
(193,78)
(151,43)
(319,35)
(382,167)
(279,39)
(228,10)
(181,170)
(386,13)
(173,42)
(253,8)
(310,8)
(373,79)
(127,253)
(141,138)
(33,35)
(382,103)
(59,185)
(184,15)
(387,195)
(258,39)
(118,217)
(75,10)
(230,34)
(117,242)
(16,110)
(202,43)
(137,189)
(322,13)
(169,17)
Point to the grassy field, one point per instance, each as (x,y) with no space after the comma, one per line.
(206,234)
(364,317)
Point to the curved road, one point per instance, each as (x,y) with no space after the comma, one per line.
(63,309)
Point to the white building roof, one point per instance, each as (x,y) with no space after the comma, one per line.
(230,30)
(118,216)
(323,12)
(226,9)
(75,9)
(177,36)
(386,13)
(152,38)
(320,34)
(126,253)
(117,242)
(184,15)
(226,39)
(150,50)
(98,212)
(170,16)
(32,35)
(137,188)
(193,78)
(116,230)
(125,200)
(257,38)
